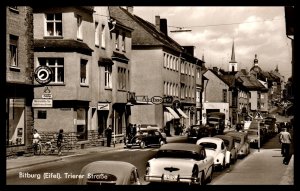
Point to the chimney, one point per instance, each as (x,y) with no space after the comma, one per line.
(164,26)
(157,22)
(130,9)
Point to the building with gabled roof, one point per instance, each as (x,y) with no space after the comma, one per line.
(160,67)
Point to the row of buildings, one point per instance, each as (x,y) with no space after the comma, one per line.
(111,67)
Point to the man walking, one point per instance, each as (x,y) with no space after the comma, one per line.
(108,133)
(285,140)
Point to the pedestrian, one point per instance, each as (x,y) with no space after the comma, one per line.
(60,140)
(36,140)
(285,140)
(108,133)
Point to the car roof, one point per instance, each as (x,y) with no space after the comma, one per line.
(120,169)
(236,133)
(227,137)
(181,146)
(211,139)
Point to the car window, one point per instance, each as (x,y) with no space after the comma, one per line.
(202,154)
(209,145)
(222,146)
(226,142)
(177,154)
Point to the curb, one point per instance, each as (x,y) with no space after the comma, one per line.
(288,176)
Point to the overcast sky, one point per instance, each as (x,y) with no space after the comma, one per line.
(255,30)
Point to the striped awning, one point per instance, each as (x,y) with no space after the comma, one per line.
(182,113)
(173,113)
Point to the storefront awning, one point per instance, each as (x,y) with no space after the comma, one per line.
(168,116)
(139,103)
(173,113)
(182,113)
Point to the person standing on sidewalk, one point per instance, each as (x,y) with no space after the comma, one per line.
(108,133)
(285,140)
(60,139)
(36,140)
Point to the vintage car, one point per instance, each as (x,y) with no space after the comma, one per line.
(216,148)
(240,142)
(253,137)
(180,163)
(216,120)
(153,126)
(109,173)
(196,132)
(229,143)
(146,138)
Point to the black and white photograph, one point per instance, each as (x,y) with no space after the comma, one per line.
(149,95)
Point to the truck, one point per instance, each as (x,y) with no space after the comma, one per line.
(216,120)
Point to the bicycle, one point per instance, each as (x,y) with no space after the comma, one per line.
(51,148)
(37,148)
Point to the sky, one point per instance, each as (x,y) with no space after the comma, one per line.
(254,30)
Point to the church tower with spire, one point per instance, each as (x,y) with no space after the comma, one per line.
(232,62)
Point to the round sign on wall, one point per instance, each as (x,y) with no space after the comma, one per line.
(43,75)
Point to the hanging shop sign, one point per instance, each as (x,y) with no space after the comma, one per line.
(103,106)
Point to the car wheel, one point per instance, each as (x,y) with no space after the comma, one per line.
(142,144)
(209,179)
(128,146)
(202,181)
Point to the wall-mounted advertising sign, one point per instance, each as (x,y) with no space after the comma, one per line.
(43,75)
(42,103)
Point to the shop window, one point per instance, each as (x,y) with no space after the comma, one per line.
(81,124)
(42,114)
(16,122)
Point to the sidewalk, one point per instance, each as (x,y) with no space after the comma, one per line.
(26,161)
(262,167)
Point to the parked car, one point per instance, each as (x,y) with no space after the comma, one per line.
(254,137)
(216,148)
(180,163)
(240,142)
(229,143)
(217,121)
(153,126)
(196,132)
(109,173)
(146,137)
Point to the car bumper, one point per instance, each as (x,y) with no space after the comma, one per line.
(171,179)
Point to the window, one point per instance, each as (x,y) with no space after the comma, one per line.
(182,91)
(165,60)
(54,24)
(13,50)
(42,114)
(103,36)
(107,81)
(123,42)
(171,62)
(122,78)
(262,105)
(165,88)
(224,95)
(182,67)
(117,40)
(168,61)
(83,71)
(97,40)
(262,96)
(79,27)
(57,66)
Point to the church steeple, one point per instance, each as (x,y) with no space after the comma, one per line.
(232,54)
(232,62)
(276,70)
